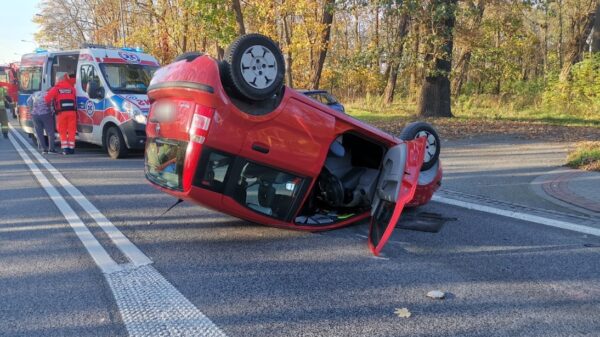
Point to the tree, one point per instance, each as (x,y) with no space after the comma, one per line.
(324,36)
(435,92)
(582,23)
(397,12)
(239,17)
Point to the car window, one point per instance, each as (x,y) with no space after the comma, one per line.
(215,171)
(267,190)
(88,75)
(30,79)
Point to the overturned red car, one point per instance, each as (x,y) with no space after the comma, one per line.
(230,136)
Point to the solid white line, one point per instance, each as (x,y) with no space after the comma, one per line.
(149,305)
(94,248)
(134,255)
(520,216)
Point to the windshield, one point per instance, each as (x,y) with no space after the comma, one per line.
(127,78)
(30,79)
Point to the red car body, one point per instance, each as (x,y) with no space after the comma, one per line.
(294,138)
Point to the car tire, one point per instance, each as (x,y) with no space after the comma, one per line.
(254,67)
(433,145)
(114,143)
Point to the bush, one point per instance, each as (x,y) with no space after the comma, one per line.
(580,96)
(585,156)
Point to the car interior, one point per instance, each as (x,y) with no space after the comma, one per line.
(347,182)
(63,64)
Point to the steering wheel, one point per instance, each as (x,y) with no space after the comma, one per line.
(331,189)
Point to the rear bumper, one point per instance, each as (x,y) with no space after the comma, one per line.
(134,134)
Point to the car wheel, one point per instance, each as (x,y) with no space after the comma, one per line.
(115,143)
(432,145)
(254,67)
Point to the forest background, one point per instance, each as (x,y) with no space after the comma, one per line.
(384,59)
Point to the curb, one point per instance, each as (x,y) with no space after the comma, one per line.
(556,185)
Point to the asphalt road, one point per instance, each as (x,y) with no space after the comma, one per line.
(504,277)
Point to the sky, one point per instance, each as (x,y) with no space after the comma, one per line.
(15,26)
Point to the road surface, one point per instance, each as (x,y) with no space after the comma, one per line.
(65,269)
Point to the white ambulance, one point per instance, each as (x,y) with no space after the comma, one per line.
(111,86)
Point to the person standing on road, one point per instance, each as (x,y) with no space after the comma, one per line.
(43,120)
(62,97)
(3,116)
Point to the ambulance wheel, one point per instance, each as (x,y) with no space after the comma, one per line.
(254,67)
(114,143)
(432,145)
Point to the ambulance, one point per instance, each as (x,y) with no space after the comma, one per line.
(111,85)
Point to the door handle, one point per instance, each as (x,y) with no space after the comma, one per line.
(262,148)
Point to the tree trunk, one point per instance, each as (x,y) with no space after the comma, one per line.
(465,59)
(239,18)
(560,33)
(287,34)
(325,34)
(577,46)
(435,93)
(596,34)
(414,74)
(463,68)
(394,61)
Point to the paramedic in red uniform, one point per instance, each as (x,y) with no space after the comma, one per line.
(62,95)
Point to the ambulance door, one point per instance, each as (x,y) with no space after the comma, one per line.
(90,103)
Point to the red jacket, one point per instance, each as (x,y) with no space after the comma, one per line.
(63,95)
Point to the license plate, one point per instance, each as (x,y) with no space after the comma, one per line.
(163,112)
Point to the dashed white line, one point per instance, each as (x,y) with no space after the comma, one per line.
(519,215)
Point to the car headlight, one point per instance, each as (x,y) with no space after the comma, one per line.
(134,112)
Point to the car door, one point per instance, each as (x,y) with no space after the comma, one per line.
(90,111)
(396,186)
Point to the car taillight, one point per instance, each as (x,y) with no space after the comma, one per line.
(200,124)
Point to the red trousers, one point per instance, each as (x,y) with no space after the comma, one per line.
(66,124)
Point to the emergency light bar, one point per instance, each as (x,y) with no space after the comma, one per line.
(136,49)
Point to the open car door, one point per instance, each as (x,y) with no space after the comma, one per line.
(396,186)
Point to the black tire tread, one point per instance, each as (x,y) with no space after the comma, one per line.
(410,131)
(123,151)
(229,78)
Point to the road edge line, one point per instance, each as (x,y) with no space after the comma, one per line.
(519,216)
(100,256)
(133,253)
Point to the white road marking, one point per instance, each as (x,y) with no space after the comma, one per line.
(519,215)
(121,241)
(148,303)
(94,248)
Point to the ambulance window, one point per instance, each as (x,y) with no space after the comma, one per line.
(88,75)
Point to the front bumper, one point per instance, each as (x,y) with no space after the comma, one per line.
(134,134)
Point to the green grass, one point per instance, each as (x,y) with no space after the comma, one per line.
(372,109)
(585,156)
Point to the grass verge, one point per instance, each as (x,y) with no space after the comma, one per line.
(586,156)
(372,110)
